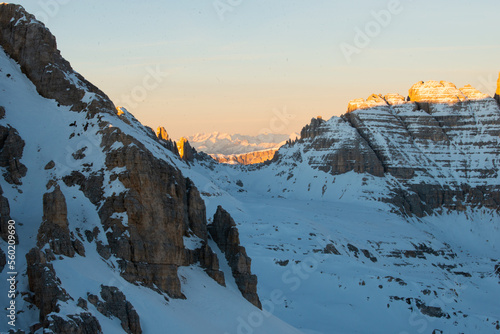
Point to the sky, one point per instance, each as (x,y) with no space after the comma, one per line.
(255,66)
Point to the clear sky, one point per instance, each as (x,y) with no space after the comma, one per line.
(250,66)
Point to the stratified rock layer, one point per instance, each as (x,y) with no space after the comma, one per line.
(442,146)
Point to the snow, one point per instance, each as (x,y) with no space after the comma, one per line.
(287,215)
(325,293)
(229,144)
(216,309)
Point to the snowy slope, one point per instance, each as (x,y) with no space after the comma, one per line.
(391,275)
(45,128)
(331,256)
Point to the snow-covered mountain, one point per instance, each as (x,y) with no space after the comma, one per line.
(111,237)
(239,149)
(383,220)
(231,144)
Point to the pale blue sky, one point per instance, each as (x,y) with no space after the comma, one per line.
(268,58)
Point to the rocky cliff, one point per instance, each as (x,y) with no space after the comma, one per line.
(225,234)
(81,176)
(438,148)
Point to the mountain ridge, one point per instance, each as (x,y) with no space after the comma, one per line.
(100,191)
(441,154)
(114,237)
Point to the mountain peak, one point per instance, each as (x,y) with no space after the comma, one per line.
(34,48)
(429,91)
(438,92)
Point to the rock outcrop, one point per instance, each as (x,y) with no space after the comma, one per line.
(145,205)
(225,234)
(54,229)
(11,152)
(32,45)
(334,147)
(161,207)
(436,92)
(162,134)
(115,304)
(166,141)
(441,146)
(83,323)
(186,152)
(44,284)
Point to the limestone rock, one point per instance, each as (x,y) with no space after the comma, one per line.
(162,134)
(54,229)
(207,260)
(343,148)
(51,164)
(436,92)
(197,213)
(32,45)
(225,234)
(91,185)
(162,207)
(11,152)
(394,99)
(166,141)
(83,323)
(313,129)
(186,152)
(441,147)
(473,94)
(44,284)
(115,304)
(373,101)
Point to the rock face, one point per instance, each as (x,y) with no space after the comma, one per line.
(54,228)
(164,139)
(186,152)
(44,284)
(161,207)
(436,92)
(114,304)
(11,152)
(442,146)
(145,205)
(225,234)
(162,134)
(83,323)
(245,158)
(334,147)
(32,45)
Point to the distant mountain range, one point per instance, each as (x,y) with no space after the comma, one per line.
(229,144)
(239,149)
